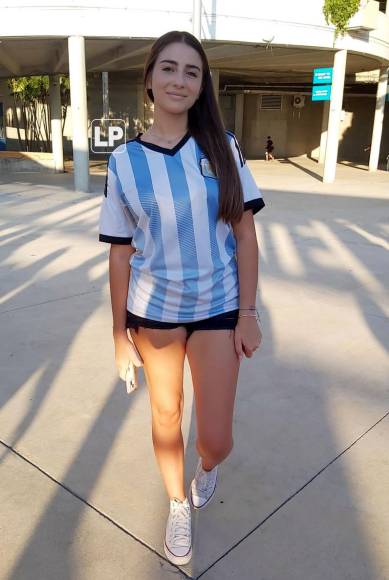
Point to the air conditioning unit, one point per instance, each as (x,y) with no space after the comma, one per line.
(298,101)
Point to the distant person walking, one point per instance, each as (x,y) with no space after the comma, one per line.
(269,149)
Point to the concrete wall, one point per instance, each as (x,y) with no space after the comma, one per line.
(385,136)
(357,128)
(297,131)
(11,161)
(293,131)
(227,106)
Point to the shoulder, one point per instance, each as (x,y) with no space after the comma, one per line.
(129,144)
(231,137)
(234,144)
(128,147)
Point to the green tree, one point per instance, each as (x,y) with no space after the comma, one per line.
(30,96)
(339,12)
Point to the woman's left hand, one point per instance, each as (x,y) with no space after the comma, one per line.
(247,336)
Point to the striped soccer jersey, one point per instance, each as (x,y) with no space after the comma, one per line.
(164,202)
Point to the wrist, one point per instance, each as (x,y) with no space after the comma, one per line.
(119,332)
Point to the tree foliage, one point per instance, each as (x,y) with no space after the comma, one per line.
(31,111)
(339,12)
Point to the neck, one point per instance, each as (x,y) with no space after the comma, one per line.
(169,125)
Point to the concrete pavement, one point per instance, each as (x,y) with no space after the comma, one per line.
(303,496)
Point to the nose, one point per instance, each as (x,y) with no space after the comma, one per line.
(179,79)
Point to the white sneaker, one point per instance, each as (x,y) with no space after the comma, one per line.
(203,486)
(178,537)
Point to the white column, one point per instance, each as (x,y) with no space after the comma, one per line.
(56,123)
(378,120)
(215,81)
(324,131)
(77,75)
(331,155)
(239,107)
(387,7)
(105,87)
(196,19)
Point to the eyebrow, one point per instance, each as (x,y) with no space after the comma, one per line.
(176,63)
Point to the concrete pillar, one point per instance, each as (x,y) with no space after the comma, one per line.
(196,19)
(324,131)
(336,102)
(215,81)
(239,107)
(378,120)
(56,123)
(77,75)
(105,87)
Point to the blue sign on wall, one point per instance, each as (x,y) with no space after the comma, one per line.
(322,76)
(321,93)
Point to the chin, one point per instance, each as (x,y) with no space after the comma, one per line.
(176,109)
(171,105)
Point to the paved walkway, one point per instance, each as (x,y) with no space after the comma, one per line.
(303,496)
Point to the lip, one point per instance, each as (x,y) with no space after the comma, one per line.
(176,95)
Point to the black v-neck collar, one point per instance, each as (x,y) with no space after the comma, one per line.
(163,150)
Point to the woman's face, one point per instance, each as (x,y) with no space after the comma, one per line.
(176,78)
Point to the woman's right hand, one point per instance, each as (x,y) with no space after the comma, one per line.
(125,351)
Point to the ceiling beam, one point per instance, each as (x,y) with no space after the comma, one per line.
(222,49)
(115,55)
(7,61)
(270,55)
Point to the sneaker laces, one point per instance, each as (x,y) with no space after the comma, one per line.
(181,526)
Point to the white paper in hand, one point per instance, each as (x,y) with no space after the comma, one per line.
(131,377)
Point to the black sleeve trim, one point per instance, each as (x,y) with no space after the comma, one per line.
(114,240)
(106,183)
(254,204)
(241,156)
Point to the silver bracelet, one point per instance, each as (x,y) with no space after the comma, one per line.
(250,310)
(256,316)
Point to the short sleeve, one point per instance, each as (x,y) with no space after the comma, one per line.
(252,196)
(116,225)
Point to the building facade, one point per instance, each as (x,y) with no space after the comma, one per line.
(262,57)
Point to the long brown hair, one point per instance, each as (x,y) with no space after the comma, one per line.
(205,124)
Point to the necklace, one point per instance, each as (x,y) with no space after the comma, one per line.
(167,140)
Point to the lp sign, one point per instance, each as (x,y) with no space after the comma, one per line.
(107,135)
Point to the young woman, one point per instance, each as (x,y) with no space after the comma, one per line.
(183,266)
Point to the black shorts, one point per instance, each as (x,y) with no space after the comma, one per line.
(226,320)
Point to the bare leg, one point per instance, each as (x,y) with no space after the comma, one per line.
(214,367)
(163,353)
